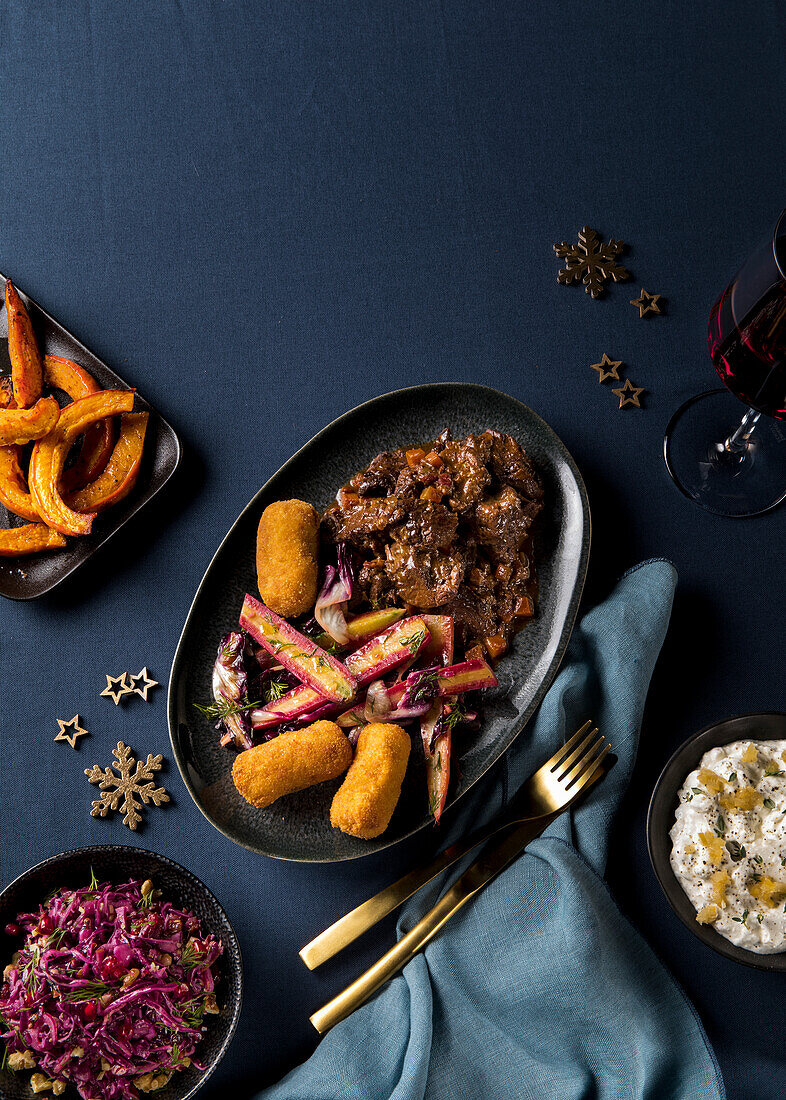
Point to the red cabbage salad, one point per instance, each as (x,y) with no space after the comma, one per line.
(107,991)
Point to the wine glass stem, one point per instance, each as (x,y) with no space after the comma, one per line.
(737,442)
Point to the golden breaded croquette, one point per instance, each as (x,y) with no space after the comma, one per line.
(364,803)
(287,548)
(291,762)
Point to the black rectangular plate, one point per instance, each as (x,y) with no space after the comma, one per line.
(29,577)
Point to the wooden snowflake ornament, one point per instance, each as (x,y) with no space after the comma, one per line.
(128,786)
(591,262)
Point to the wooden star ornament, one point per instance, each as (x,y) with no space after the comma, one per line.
(117,693)
(603,370)
(647,303)
(629,395)
(146,683)
(73,725)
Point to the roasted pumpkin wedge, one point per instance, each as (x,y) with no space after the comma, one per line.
(13,486)
(96,450)
(30,538)
(49,454)
(26,366)
(119,477)
(25,425)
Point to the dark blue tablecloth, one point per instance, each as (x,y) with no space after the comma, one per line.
(262,214)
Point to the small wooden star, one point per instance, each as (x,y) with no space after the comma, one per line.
(117,693)
(146,685)
(70,737)
(629,395)
(603,373)
(647,303)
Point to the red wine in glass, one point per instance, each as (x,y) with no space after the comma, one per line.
(730,466)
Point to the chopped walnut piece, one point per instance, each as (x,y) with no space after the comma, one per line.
(58,1087)
(751,754)
(211,1005)
(690,848)
(38,1082)
(21,1059)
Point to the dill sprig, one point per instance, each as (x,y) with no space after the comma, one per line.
(223,708)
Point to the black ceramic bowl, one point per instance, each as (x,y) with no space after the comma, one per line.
(767,726)
(118,863)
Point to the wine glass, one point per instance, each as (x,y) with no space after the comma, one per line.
(730,466)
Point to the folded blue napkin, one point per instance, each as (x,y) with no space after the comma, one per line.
(540,988)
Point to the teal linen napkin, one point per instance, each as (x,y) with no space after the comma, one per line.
(540,988)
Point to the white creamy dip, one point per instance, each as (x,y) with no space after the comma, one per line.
(729,843)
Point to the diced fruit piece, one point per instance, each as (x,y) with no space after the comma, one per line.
(432,494)
(434,460)
(711,780)
(13,487)
(495,645)
(26,366)
(49,454)
(768,890)
(24,425)
(298,654)
(751,754)
(525,608)
(714,845)
(415,456)
(29,539)
(746,798)
(719,881)
(708,914)
(120,475)
(372,622)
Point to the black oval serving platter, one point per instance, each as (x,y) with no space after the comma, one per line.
(765,726)
(119,863)
(33,575)
(298,827)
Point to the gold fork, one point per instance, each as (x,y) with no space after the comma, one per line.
(547,793)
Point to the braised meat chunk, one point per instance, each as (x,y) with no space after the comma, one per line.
(446,526)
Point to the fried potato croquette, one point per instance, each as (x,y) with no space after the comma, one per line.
(364,803)
(291,762)
(287,546)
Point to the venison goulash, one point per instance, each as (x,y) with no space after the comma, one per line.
(446,526)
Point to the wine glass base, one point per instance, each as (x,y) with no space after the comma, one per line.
(745,484)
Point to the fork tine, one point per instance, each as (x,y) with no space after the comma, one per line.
(565,765)
(562,751)
(589,771)
(572,773)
